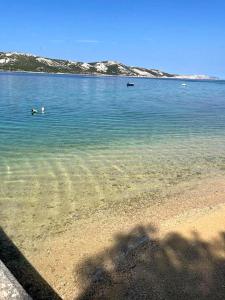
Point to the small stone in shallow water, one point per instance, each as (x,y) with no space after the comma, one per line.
(75,216)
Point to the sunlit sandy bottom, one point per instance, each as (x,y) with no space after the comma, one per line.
(49,192)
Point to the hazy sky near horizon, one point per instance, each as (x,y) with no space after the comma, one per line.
(184,37)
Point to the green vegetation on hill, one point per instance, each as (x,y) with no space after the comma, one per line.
(26,62)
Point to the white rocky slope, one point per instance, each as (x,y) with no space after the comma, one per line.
(14,61)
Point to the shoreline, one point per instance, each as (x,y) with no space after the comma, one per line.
(198,209)
(108,75)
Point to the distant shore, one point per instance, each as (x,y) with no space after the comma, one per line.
(108,75)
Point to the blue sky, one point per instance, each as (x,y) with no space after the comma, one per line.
(172,35)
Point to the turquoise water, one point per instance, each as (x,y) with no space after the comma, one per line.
(100,145)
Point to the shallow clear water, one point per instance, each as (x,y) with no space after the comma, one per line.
(100,145)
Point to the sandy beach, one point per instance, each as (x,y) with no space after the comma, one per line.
(194,215)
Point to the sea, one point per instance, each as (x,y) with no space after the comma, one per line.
(101,146)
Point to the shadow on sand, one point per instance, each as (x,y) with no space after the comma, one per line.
(33,283)
(140,265)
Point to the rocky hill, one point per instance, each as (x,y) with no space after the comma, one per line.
(13,61)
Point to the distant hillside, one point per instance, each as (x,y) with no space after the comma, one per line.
(13,61)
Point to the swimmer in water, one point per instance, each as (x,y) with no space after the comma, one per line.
(33,111)
(42,109)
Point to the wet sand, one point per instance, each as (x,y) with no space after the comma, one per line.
(199,208)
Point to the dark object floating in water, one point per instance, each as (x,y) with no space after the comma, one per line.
(130,84)
(34,111)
